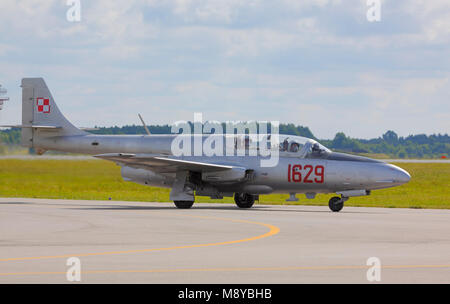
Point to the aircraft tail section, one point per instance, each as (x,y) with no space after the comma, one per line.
(40,114)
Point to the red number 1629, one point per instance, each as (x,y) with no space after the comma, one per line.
(307,174)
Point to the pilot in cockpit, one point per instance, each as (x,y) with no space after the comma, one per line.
(294,147)
(285,145)
(316,149)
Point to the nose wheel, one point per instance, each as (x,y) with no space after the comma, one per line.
(336,204)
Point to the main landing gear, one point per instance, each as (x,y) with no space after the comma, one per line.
(244,200)
(336,203)
(184,204)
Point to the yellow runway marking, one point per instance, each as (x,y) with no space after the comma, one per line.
(272,231)
(232,269)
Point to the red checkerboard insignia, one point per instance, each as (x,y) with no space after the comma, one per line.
(43,105)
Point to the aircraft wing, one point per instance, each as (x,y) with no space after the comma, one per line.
(161,163)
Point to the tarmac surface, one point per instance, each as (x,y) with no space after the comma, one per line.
(130,242)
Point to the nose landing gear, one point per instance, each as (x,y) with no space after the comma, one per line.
(336,203)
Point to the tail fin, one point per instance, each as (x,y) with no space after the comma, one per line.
(40,114)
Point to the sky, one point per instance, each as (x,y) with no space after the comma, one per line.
(316,63)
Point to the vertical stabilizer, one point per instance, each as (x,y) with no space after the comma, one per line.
(40,114)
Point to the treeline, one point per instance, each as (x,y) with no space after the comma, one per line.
(413,146)
(289,129)
(10,136)
(390,144)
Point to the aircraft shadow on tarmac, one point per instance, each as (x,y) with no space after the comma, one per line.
(169,207)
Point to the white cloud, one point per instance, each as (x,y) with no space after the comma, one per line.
(314,62)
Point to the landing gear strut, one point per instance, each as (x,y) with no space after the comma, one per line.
(336,204)
(184,204)
(244,200)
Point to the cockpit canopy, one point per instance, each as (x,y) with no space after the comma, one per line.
(302,146)
(290,145)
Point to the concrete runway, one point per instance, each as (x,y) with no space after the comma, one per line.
(129,242)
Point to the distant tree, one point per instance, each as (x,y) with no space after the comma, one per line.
(391,137)
(401,153)
(344,143)
(291,129)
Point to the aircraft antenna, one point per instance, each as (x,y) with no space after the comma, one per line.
(145,126)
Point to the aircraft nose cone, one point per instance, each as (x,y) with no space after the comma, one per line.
(402,176)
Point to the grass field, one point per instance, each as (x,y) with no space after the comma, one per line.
(101,180)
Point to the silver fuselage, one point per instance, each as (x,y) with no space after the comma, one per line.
(334,172)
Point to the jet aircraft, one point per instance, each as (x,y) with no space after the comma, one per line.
(304,165)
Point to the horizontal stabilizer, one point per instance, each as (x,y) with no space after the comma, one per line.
(32,126)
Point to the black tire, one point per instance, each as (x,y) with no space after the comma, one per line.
(244,200)
(336,204)
(184,204)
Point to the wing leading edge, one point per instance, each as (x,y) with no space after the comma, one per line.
(162,164)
